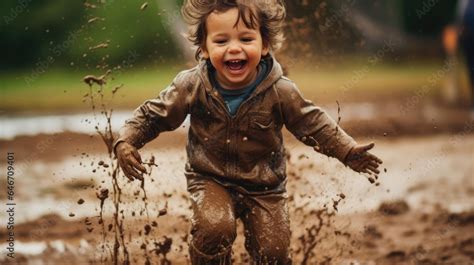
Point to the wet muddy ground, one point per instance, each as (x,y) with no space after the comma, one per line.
(421,211)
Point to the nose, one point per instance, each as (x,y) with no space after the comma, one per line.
(234,47)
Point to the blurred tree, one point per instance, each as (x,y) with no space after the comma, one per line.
(132,27)
(427,17)
(30,28)
(77,32)
(66,32)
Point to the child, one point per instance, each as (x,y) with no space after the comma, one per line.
(238,102)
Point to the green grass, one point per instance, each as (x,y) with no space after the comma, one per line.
(58,90)
(359,81)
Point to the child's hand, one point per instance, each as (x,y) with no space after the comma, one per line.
(362,161)
(130,161)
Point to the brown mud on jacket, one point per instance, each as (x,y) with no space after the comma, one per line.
(245,151)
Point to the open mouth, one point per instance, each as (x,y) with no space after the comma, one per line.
(235,65)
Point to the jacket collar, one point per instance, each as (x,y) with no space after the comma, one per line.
(275,73)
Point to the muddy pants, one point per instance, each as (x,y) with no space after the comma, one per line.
(215,211)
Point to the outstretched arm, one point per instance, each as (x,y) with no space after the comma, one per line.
(311,125)
(314,127)
(165,113)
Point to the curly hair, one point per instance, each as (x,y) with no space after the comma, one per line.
(268,15)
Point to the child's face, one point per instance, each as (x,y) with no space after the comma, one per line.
(234,51)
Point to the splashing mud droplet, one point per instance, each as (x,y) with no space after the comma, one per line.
(162,212)
(94,19)
(91,79)
(89,5)
(147,229)
(99,46)
(116,88)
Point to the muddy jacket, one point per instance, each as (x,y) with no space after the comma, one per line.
(244,151)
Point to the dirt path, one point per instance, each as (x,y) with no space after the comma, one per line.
(431,177)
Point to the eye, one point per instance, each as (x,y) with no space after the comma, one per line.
(246,39)
(220,41)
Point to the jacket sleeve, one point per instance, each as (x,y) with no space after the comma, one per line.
(164,113)
(310,124)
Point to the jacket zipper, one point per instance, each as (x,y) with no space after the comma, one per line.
(231,164)
(228,166)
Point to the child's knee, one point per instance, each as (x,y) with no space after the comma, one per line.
(273,253)
(213,235)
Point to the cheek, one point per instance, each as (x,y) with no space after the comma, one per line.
(214,58)
(216,61)
(216,54)
(255,53)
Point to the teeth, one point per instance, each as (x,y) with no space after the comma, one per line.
(236,64)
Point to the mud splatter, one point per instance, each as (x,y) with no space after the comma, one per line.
(394,208)
(163,211)
(102,196)
(336,202)
(89,5)
(145,198)
(94,19)
(115,89)
(108,139)
(99,46)
(119,251)
(338,117)
(101,80)
(162,248)
(312,237)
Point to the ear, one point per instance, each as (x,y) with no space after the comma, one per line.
(265,50)
(204,53)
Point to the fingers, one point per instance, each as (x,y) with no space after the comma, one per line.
(365,148)
(130,161)
(358,165)
(127,173)
(138,161)
(363,164)
(359,152)
(373,165)
(376,159)
(131,173)
(128,169)
(368,164)
(363,161)
(373,169)
(133,166)
(365,170)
